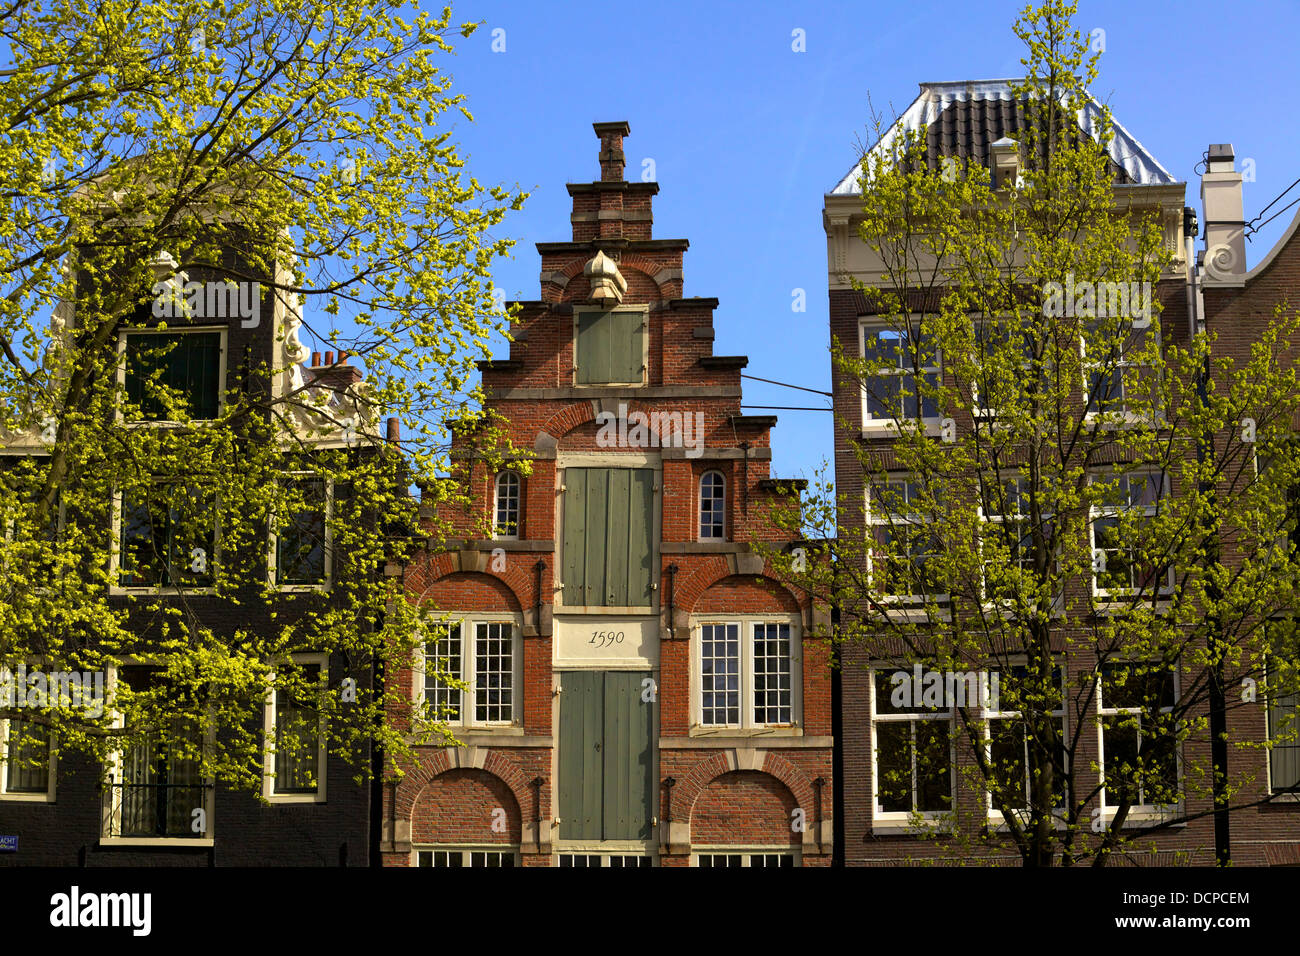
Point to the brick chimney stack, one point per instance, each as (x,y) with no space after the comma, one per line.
(612,161)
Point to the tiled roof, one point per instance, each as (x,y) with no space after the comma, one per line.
(965,118)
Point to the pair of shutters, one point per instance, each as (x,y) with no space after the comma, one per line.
(606,756)
(608,521)
(609,347)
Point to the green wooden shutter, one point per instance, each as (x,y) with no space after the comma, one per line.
(607,544)
(581,761)
(625,362)
(610,347)
(595,334)
(606,787)
(629,758)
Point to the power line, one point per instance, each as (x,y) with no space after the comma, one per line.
(792,408)
(1251,227)
(770,381)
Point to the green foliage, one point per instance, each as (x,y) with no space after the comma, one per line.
(303,147)
(1062,504)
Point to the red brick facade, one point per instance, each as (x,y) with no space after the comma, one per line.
(745,788)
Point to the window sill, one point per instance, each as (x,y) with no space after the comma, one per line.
(1146,815)
(917,612)
(998,824)
(26,798)
(898,824)
(783,730)
(302,588)
(633,611)
(888,428)
(1114,604)
(116,591)
(1122,420)
(294,798)
(1284,796)
(197,843)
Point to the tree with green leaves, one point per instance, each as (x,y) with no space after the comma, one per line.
(197,196)
(1067,535)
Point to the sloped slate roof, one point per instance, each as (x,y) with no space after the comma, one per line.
(963,119)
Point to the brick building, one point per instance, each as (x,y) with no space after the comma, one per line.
(978,122)
(142,808)
(641,691)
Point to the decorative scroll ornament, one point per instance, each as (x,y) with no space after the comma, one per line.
(607,283)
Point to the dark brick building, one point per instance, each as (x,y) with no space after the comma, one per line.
(149,808)
(642,692)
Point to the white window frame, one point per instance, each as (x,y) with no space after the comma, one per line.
(745,624)
(747,855)
(898,821)
(699,507)
(10,526)
(119,413)
(990,715)
(273,543)
(1293,729)
(466,851)
(641,310)
(115,551)
(870,423)
(1103,512)
(111,816)
(980,411)
(268,740)
(1139,814)
(468,622)
(987,520)
(497,533)
(606,854)
(47,796)
(1122,364)
(882,517)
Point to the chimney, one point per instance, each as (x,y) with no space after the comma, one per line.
(1225,238)
(329,358)
(612,162)
(394,430)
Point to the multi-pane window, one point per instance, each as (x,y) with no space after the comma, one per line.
(1120,374)
(616,860)
(507,505)
(24,758)
(301,545)
(903,542)
(467,857)
(169,371)
(749,681)
(905,373)
(1009,561)
(913,752)
(1125,559)
(1138,734)
(167,537)
(1014,747)
(1284,733)
(297,740)
(487,666)
(744,859)
(1004,364)
(712,506)
(609,347)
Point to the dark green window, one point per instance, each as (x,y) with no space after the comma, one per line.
(610,347)
(300,544)
(608,522)
(168,539)
(164,367)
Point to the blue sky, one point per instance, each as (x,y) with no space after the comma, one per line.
(747,135)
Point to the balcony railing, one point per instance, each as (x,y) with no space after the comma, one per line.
(157,810)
